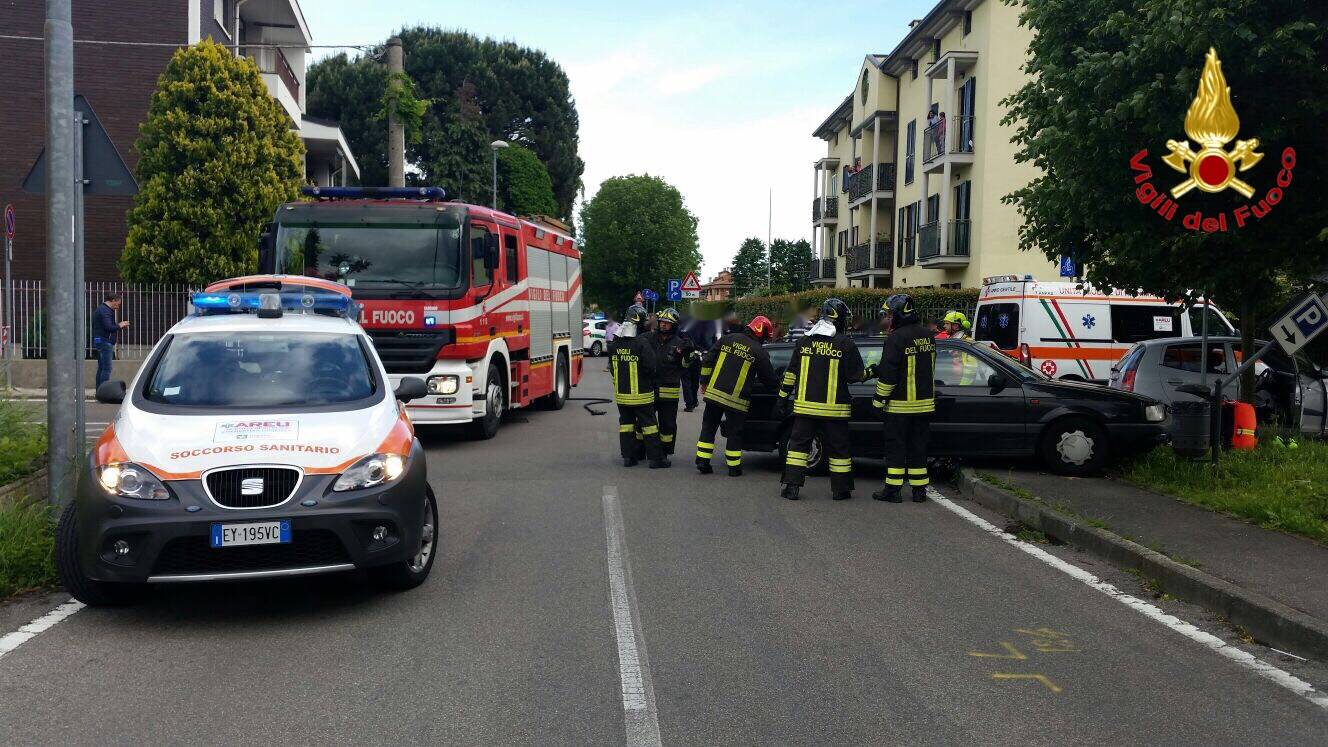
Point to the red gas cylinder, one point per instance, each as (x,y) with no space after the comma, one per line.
(1243,435)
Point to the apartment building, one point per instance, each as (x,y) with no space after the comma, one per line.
(931,110)
(118,81)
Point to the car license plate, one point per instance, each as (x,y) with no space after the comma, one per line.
(253,533)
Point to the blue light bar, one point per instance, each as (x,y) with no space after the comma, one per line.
(238,303)
(434,194)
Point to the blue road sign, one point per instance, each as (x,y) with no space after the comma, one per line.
(9,222)
(649,295)
(1303,323)
(1068,268)
(675,290)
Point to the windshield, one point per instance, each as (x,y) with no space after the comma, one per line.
(261,370)
(380,255)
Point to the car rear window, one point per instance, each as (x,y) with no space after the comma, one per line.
(1186,357)
(779,357)
(1132,323)
(216,369)
(998,323)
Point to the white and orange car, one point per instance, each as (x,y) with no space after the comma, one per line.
(259,439)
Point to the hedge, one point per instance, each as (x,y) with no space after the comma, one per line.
(865,302)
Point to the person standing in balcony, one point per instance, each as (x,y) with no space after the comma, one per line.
(940,133)
(105,333)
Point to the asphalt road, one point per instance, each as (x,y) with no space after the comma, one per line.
(753,620)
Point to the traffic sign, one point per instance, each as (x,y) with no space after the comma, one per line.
(1068,269)
(691,286)
(675,290)
(650,295)
(1303,323)
(9,222)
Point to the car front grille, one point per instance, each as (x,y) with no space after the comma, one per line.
(195,555)
(408,351)
(234,488)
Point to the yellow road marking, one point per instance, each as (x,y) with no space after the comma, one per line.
(1052,686)
(1012,653)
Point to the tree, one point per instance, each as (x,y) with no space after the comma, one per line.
(524,187)
(749,267)
(636,233)
(1111,78)
(217,156)
(478,91)
(789,263)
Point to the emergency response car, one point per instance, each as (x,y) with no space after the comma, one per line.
(260,438)
(485,306)
(1075,332)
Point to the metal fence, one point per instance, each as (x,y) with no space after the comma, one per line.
(149,309)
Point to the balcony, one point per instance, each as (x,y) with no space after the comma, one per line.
(872,179)
(954,252)
(822,270)
(869,258)
(825,210)
(279,77)
(950,140)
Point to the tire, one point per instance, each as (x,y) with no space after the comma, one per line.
(562,387)
(495,405)
(407,574)
(596,349)
(1073,446)
(88,591)
(817,463)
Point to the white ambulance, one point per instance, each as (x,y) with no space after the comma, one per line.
(1073,331)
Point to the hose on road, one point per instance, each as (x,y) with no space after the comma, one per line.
(591,401)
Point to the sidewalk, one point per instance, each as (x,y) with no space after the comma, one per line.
(1288,569)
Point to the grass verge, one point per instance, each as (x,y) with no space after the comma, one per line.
(1274,486)
(27,546)
(22,443)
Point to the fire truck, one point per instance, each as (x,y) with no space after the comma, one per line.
(484,306)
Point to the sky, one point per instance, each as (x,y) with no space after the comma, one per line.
(719,99)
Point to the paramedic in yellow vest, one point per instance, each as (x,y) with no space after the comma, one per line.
(905,398)
(815,387)
(632,361)
(957,327)
(727,373)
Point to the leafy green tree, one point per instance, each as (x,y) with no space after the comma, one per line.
(345,90)
(463,167)
(636,233)
(218,156)
(524,187)
(789,263)
(749,267)
(1110,78)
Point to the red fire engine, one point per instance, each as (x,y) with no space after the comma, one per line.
(485,306)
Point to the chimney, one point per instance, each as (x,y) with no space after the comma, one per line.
(914,22)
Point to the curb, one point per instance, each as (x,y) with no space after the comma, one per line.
(1267,620)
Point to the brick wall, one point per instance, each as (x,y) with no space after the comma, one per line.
(118,83)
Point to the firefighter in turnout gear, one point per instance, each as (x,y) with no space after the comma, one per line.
(726,378)
(633,363)
(905,398)
(824,362)
(673,352)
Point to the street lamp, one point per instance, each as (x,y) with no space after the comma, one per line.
(496,146)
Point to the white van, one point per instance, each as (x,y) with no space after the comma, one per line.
(1073,331)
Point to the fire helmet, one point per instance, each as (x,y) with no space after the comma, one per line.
(761,328)
(900,310)
(837,312)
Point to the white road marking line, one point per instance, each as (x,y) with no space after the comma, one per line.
(11,641)
(638,693)
(1243,658)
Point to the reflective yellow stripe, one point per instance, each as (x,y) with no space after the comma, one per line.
(742,378)
(634,399)
(802,379)
(789,378)
(631,370)
(884,390)
(894,482)
(650,430)
(714,395)
(666,437)
(910,408)
(670,390)
(918,481)
(719,366)
(912,393)
(917,470)
(832,382)
(895,470)
(626,428)
(734,461)
(704,445)
(841,468)
(705,372)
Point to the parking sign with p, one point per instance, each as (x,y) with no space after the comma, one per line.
(1303,323)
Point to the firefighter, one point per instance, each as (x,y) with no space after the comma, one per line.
(905,398)
(824,362)
(726,385)
(674,352)
(633,362)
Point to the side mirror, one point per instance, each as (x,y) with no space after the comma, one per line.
(111,392)
(267,251)
(997,382)
(409,388)
(491,253)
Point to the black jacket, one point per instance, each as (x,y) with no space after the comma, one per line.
(673,354)
(906,378)
(633,363)
(104,326)
(818,376)
(728,368)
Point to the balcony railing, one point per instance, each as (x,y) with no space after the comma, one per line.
(962,139)
(822,269)
(273,61)
(860,184)
(933,141)
(929,240)
(885,177)
(827,207)
(864,257)
(960,233)
(954,137)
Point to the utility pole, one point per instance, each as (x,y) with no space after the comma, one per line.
(769,242)
(64,444)
(496,146)
(396,132)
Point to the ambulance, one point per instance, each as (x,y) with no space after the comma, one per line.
(1075,332)
(261,438)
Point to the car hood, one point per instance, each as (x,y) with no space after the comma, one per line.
(1084,389)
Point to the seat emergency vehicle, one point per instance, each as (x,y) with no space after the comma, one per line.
(1075,332)
(485,306)
(260,438)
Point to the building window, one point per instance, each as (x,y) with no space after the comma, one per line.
(963,195)
(915,70)
(909,146)
(968,22)
(864,87)
(935,49)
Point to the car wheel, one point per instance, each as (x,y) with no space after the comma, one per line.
(561,387)
(1074,446)
(88,591)
(495,404)
(411,572)
(596,349)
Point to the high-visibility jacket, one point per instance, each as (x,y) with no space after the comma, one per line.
(673,353)
(818,376)
(728,370)
(906,381)
(632,361)
(965,366)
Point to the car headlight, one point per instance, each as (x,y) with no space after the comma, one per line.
(372,470)
(128,480)
(444,384)
(1155,413)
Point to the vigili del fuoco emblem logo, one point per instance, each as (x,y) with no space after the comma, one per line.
(1211,122)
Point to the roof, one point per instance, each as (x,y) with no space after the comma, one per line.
(918,39)
(289,322)
(839,118)
(328,132)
